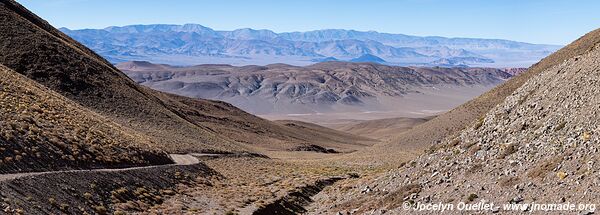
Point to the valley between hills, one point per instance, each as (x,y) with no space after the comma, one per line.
(81,135)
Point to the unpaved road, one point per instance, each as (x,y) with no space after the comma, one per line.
(189,159)
(179,159)
(185,159)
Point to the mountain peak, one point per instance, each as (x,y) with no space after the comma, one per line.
(193,28)
(250,34)
(368,58)
(162,28)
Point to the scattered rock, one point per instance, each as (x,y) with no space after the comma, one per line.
(517,200)
(366,190)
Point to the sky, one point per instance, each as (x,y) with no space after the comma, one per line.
(536,21)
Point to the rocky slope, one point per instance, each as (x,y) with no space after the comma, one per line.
(324,87)
(32,47)
(538,145)
(421,137)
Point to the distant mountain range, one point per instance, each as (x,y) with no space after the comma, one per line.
(192,44)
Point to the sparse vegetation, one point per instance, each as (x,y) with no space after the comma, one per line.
(242,187)
(560,126)
(586,136)
(230,212)
(91,116)
(479,123)
(64,207)
(396,198)
(508,150)
(561,175)
(87,196)
(100,209)
(52,201)
(73,137)
(542,169)
(472,197)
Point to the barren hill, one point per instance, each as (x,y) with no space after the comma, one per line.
(42,130)
(381,129)
(32,47)
(328,87)
(537,144)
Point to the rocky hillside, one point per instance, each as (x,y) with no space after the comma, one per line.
(32,47)
(538,145)
(42,130)
(421,137)
(323,87)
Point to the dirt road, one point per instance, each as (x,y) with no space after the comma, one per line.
(179,159)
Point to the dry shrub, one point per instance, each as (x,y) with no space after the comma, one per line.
(395,199)
(508,182)
(508,150)
(541,170)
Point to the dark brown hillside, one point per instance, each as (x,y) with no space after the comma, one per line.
(47,56)
(41,130)
(32,47)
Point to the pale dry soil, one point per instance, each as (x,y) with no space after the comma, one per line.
(248,184)
(430,101)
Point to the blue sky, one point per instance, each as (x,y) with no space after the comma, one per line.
(535,21)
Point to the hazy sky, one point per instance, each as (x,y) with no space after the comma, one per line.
(536,21)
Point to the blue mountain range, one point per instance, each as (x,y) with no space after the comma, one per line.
(196,44)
